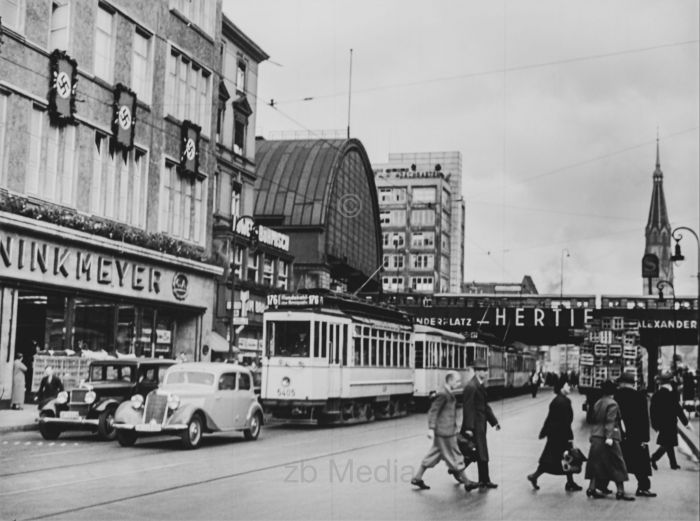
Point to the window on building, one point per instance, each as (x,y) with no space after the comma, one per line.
(282,274)
(3,132)
(252,267)
(181,204)
(422,261)
(393,217)
(119,186)
(199,12)
(237,260)
(423,194)
(240,129)
(141,69)
(445,242)
(104,44)
(241,76)
(12,13)
(385,217)
(422,283)
(235,205)
(423,240)
(393,239)
(51,160)
(385,195)
(188,90)
(618,323)
(423,217)
(268,270)
(399,195)
(60,18)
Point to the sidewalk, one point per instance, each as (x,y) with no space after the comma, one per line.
(24,420)
(691,438)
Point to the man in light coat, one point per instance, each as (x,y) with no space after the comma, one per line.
(442,422)
(477,412)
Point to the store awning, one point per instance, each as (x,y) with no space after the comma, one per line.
(218,344)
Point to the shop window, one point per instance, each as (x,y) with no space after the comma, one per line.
(93,327)
(144,341)
(165,332)
(125,341)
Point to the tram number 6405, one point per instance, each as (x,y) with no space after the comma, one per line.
(285,393)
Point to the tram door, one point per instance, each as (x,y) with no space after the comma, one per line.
(336,341)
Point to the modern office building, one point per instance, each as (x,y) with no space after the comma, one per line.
(423,221)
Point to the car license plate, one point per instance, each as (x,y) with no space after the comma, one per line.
(148,427)
(70,415)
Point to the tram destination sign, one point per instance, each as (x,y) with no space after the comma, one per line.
(285,300)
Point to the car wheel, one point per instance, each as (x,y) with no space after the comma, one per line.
(193,434)
(105,425)
(125,438)
(49,432)
(253,432)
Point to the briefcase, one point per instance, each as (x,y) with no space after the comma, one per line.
(467,447)
(572,461)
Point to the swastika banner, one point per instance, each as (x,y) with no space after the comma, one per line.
(189,148)
(63,81)
(124,117)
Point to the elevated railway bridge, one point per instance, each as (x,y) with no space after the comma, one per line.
(553,319)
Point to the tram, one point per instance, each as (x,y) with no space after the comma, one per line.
(333,359)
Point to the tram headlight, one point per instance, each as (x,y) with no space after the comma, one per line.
(173,401)
(90,397)
(62,397)
(137,401)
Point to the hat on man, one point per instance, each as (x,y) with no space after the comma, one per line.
(608,387)
(560,382)
(480,363)
(626,378)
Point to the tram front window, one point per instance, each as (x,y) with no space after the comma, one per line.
(289,338)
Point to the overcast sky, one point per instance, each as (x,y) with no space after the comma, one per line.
(554,105)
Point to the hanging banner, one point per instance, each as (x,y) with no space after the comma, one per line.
(63,81)
(124,117)
(189,148)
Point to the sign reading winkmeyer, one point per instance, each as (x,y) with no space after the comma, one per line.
(69,266)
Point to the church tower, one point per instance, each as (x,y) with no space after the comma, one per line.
(658,231)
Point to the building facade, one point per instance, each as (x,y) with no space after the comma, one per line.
(658,233)
(321,193)
(254,266)
(524,287)
(107,153)
(423,221)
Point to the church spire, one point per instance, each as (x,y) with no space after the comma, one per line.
(658,215)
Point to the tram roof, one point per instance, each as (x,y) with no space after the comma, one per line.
(420,328)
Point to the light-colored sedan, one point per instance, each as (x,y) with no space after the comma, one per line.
(194,398)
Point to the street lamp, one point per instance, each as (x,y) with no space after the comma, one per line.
(660,286)
(245,226)
(678,256)
(561,273)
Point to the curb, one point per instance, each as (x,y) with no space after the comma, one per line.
(18,428)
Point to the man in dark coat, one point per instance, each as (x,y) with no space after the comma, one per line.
(476,412)
(665,413)
(635,436)
(560,437)
(49,387)
(442,422)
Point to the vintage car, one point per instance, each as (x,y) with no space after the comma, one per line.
(194,398)
(91,406)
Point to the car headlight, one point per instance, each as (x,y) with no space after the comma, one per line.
(137,401)
(173,401)
(90,397)
(62,397)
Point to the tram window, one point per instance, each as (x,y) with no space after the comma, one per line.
(419,354)
(316,349)
(357,347)
(373,349)
(344,346)
(324,339)
(289,338)
(365,351)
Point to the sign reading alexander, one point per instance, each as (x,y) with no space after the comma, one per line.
(46,261)
(63,81)
(124,117)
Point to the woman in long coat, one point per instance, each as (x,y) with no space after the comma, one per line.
(18,383)
(557,430)
(605,460)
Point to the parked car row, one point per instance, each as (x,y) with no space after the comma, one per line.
(130,398)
